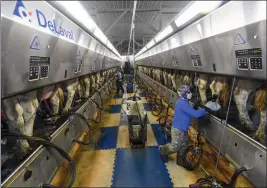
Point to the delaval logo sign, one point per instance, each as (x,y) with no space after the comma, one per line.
(21,11)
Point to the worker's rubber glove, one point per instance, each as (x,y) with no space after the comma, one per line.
(196,105)
(207,109)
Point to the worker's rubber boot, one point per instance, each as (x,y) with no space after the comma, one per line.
(164,157)
(179,160)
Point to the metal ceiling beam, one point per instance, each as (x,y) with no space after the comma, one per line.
(116,21)
(126,9)
(164,10)
(148,24)
(123,48)
(97,4)
(119,43)
(138,43)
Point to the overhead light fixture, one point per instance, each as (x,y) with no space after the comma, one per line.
(78,12)
(151,43)
(141,51)
(109,45)
(208,6)
(164,33)
(196,8)
(100,35)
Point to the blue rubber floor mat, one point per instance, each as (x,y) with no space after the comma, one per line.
(147,106)
(159,135)
(115,108)
(118,96)
(109,140)
(140,167)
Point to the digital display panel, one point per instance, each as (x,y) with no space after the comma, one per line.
(249,52)
(39,60)
(195,56)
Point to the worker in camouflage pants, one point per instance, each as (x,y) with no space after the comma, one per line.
(179,144)
(181,122)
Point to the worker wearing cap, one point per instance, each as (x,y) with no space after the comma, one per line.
(181,122)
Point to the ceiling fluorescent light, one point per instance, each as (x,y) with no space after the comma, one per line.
(151,43)
(164,33)
(208,6)
(109,45)
(78,12)
(141,51)
(100,35)
(196,8)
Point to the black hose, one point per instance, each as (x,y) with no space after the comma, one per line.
(103,88)
(101,135)
(89,129)
(105,91)
(97,105)
(82,118)
(47,143)
(156,107)
(235,175)
(80,142)
(100,109)
(48,186)
(85,120)
(209,181)
(92,120)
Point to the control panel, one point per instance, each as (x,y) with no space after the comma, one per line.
(34,73)
(196,62)
(78,67)
(249,59)
(44,71)
(174,61)
(38,68)
(242,63)
(93,66)
(163,61)
(255,63)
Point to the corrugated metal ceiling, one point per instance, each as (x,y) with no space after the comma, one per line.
(114,18)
